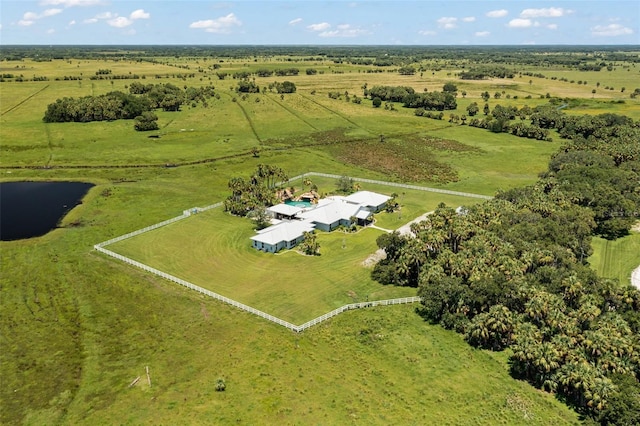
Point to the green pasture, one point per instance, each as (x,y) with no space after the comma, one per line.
(91,325)
(504,161)
(616,259)
(213,250)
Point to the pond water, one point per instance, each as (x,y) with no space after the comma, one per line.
(31,209)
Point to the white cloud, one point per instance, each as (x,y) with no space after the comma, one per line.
(551,12)
(50,12)
(295,21)
(90,21)
(25,22)
(552,26)
(427,32)
(221,25)
(51,31)
(71,3)
(447,23)
(611,30)
(72,22)
(501,13)
(32,16)
(469,19)
(520,23)
(344,30)
(139,14)
(120,22)
(482,33)
(106,15)
(323,26)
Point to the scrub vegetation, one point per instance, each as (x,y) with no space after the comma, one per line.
(78,328)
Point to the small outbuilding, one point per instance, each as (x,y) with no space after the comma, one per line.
(284,211)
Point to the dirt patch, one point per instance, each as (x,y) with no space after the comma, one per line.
(376,257)
(636,227)
(204,312)
(441,144)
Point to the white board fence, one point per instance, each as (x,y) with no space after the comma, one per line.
(100,247)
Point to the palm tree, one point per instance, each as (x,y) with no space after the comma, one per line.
(573,290)
(598,394)
(494,328)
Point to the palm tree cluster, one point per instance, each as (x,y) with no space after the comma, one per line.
(508,283)
(513,274)
(248,195)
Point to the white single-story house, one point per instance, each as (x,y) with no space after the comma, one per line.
(335,211)
(286,234)
(330,213)
(371,200)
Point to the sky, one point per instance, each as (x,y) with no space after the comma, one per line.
(370,22)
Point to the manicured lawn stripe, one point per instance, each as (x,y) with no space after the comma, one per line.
(616,259)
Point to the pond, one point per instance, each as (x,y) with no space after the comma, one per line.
(31,209)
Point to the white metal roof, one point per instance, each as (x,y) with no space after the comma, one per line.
(331,212)
(283,231)
(285,209)
(363,214)
(368,198)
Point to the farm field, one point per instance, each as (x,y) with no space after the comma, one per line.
(78,327)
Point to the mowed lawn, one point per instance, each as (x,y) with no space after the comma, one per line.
(213,250)
(618,258)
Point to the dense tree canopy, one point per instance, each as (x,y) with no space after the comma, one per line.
(118,105)
(111,106)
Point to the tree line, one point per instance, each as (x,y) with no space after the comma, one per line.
(380,56)
(484,72)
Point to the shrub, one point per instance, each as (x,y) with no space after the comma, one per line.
(221,386)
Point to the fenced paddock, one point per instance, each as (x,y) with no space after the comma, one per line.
(101,247)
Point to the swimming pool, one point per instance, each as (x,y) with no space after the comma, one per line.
(301,204)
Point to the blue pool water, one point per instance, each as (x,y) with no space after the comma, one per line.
(303,204)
